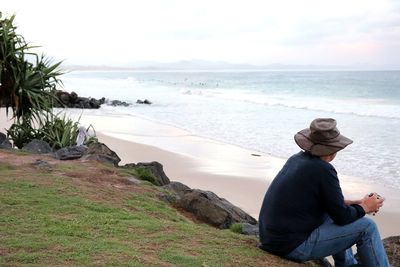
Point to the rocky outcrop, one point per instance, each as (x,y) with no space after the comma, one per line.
(37,146)
(158,176)
(392,247)
(206,206)
(4,142)
(72,100)
(69,153)
(100,152)
(210,208)
(146,102)
(116,103)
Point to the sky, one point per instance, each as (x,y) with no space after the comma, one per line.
(129,32)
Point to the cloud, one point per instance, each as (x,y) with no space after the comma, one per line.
(253,31)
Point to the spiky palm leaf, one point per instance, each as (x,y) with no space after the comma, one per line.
(28,88)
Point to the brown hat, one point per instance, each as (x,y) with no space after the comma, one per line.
(322,138)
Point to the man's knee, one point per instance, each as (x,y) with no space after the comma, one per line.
(369,225)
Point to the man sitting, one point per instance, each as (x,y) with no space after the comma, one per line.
(304,215)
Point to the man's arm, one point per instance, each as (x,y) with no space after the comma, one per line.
(352,202)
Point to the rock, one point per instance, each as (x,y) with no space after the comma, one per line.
(147,102)
(177,188)
(64,98)
(156,169)
(392,247)
(250,229)
(133,180)
(115,103)
(41,164)
(73,152)
(3,137)
(4,142)
(73,97)
(210,208)
(37,146)
(100,152)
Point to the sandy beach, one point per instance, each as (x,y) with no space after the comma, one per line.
(245,192)
(241,176)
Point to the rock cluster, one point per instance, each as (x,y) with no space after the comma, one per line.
(94,151)
(72,100)
(206,206)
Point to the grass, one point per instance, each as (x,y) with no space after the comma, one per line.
(87,214)
(236,228)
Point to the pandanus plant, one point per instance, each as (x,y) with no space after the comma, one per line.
(27,86)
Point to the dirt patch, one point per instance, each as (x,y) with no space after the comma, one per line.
(90,177)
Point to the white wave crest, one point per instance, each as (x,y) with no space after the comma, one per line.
(355,106)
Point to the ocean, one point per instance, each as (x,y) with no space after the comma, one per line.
(262,110)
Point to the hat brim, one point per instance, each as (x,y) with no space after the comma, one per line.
(304,141)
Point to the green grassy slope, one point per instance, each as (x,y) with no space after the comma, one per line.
(86,214)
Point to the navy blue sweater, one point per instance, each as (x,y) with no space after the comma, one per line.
(297,202)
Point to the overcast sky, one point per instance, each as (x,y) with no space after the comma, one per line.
(123,32)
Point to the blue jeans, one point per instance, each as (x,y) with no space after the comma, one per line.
(337,240)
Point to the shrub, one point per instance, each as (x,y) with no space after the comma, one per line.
(147,175)
(236,228)
(59,132)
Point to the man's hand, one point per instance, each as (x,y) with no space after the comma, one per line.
(371,203)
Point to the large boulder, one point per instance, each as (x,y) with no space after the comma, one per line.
(210,208)
(177,188)
(68,153)
(155,168)
(4,142)
(392,247)
(37,146)
(100,152)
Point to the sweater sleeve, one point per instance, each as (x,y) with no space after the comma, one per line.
(333,200)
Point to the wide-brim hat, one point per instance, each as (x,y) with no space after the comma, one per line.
(322,138)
